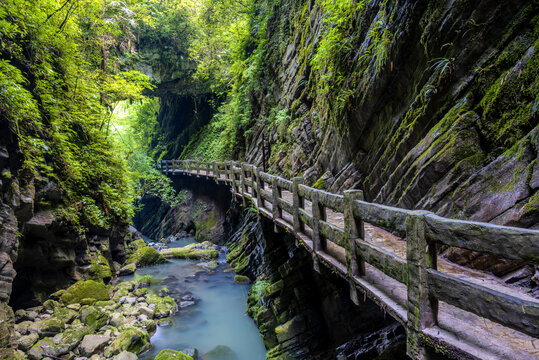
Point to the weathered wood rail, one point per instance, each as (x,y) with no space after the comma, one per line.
(458,312)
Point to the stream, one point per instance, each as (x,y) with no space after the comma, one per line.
(217,324)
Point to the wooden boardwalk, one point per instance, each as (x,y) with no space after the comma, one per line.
(389,255)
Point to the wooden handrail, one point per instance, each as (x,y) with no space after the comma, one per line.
(421,229)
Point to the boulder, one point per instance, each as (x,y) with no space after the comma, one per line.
(146,256)
(88,289)
(128,269)
(164,322)
(240,279)
(117,319)
(162,306)
(210,265)
(99,267)
(146,311)
(25,342)
(94,317)
(65,314)
(92,344)
(203,250)
(47,346)
(220,352)
(125,355)
(130,339)
(48,327)
(168,354)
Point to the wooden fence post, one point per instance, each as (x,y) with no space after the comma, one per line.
(259,187)
(353,229)
(233,174)
(319,243)
(422,307)
(242,184)
(197,164)
(275,195)
(215,171)
(297,202)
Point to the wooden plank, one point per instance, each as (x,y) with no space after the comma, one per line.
(298,203)
(331,201)
(266,195)
(306,218)
(506,242)
(387,217)
(266,177)
(286,206)
(390,264)
(306,192)
(283,183)
(331,232)
(511,311)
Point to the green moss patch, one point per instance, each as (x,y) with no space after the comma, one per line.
(168,354)
(131,339)
(99,267)
(203,250)
(240,279)
(146,256)
(88,289)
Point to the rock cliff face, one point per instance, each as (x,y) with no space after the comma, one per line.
(422,105)
(445,119)
(302,314)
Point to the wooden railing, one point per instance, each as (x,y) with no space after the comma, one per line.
(423,231)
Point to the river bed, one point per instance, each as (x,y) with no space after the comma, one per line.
(217,319)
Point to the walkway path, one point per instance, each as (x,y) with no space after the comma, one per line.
(389,255)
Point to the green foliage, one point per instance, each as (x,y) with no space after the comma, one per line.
(336,54)
(441,66)
(135,131)
(59,79)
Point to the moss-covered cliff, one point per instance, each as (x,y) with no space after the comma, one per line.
(421,104)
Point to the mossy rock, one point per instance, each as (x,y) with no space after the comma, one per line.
(99,267)
(131,339)
(168,354)
(49,327)
(10,354)
(88,301)
(210,265)
(94,317)
(146,256)
(164,322)
(56,295)
(85,290)
(150,326)
(220,352)
(240,279)
(164,306)
(50,304)
(64,314)
(197,251)
(128,269)
(135,245)
(59,345)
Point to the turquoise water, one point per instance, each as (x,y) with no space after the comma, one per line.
(218,317)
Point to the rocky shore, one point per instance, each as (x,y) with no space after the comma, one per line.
(91,320)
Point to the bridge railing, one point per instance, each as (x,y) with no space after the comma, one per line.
(423,231)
